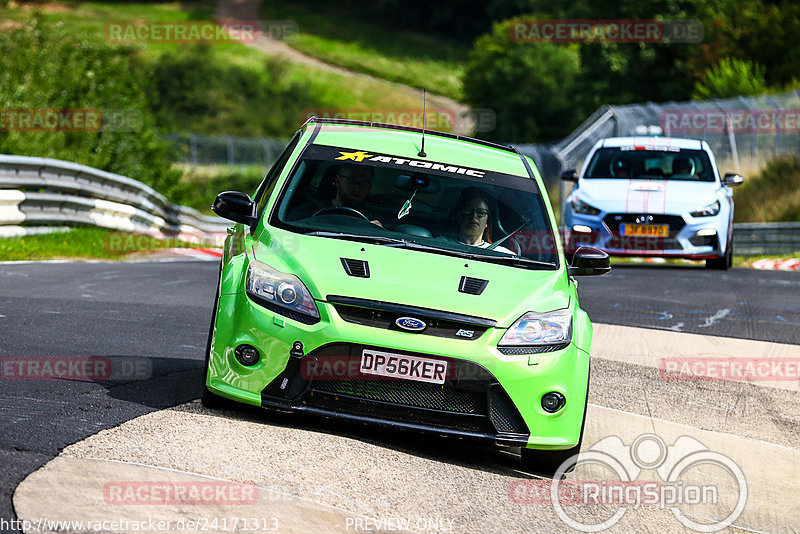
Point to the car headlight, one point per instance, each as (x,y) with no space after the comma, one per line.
(707,211)
(579,206)
(534,328)
(279,291)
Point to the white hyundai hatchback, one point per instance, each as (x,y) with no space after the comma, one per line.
(652,196)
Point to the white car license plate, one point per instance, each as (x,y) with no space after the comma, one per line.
(378,363)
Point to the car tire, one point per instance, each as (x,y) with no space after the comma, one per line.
(546,463)
(725,262)
(208,399)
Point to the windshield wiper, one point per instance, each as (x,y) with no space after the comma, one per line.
(473,255)
(512,259)
(380,240)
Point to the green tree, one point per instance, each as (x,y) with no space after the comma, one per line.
(47,68)
(528,85)
(731,77)
(763,32)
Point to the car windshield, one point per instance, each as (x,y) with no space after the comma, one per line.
(665,163)
(421,204)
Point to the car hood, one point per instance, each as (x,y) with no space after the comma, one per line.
(647,196)
(413,278)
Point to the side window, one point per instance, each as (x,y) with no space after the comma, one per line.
(268,185)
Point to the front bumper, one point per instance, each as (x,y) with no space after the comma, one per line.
(487,395)
(692,238)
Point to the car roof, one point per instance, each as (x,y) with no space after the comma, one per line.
(648,141)
(405,141)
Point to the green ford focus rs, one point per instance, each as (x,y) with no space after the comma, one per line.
(386,275)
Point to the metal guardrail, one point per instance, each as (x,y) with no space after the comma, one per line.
(43,192)
(766,238)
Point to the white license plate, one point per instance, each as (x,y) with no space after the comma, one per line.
(378,363)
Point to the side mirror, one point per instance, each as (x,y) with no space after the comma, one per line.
(570,176)
(235,206)
(732,179)
(588,261)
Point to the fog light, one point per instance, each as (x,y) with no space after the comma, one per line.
(582,228)
(553,401)
(246,355)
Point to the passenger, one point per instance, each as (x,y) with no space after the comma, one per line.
(473,220)
(682,166)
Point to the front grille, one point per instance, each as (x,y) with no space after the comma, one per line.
(470,399)
(504,415)
(408,393)
(389,412)
(383,315)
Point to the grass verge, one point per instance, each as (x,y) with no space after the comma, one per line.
(83,244)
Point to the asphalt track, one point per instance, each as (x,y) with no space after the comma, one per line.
(740,303)
(160,312)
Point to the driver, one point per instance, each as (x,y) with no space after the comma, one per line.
(621,167)
(353,184)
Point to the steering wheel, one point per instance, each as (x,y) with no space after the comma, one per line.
(347,211)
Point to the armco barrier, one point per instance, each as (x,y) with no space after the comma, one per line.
(766,238)
(41,192)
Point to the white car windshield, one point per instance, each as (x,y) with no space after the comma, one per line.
(668,164)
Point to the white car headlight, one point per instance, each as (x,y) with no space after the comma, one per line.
(548,328)
(579,206)
(280,289)
(707,211)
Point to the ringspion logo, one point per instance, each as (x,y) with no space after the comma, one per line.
(690,477)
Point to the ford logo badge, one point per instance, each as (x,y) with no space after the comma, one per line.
(411,324)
